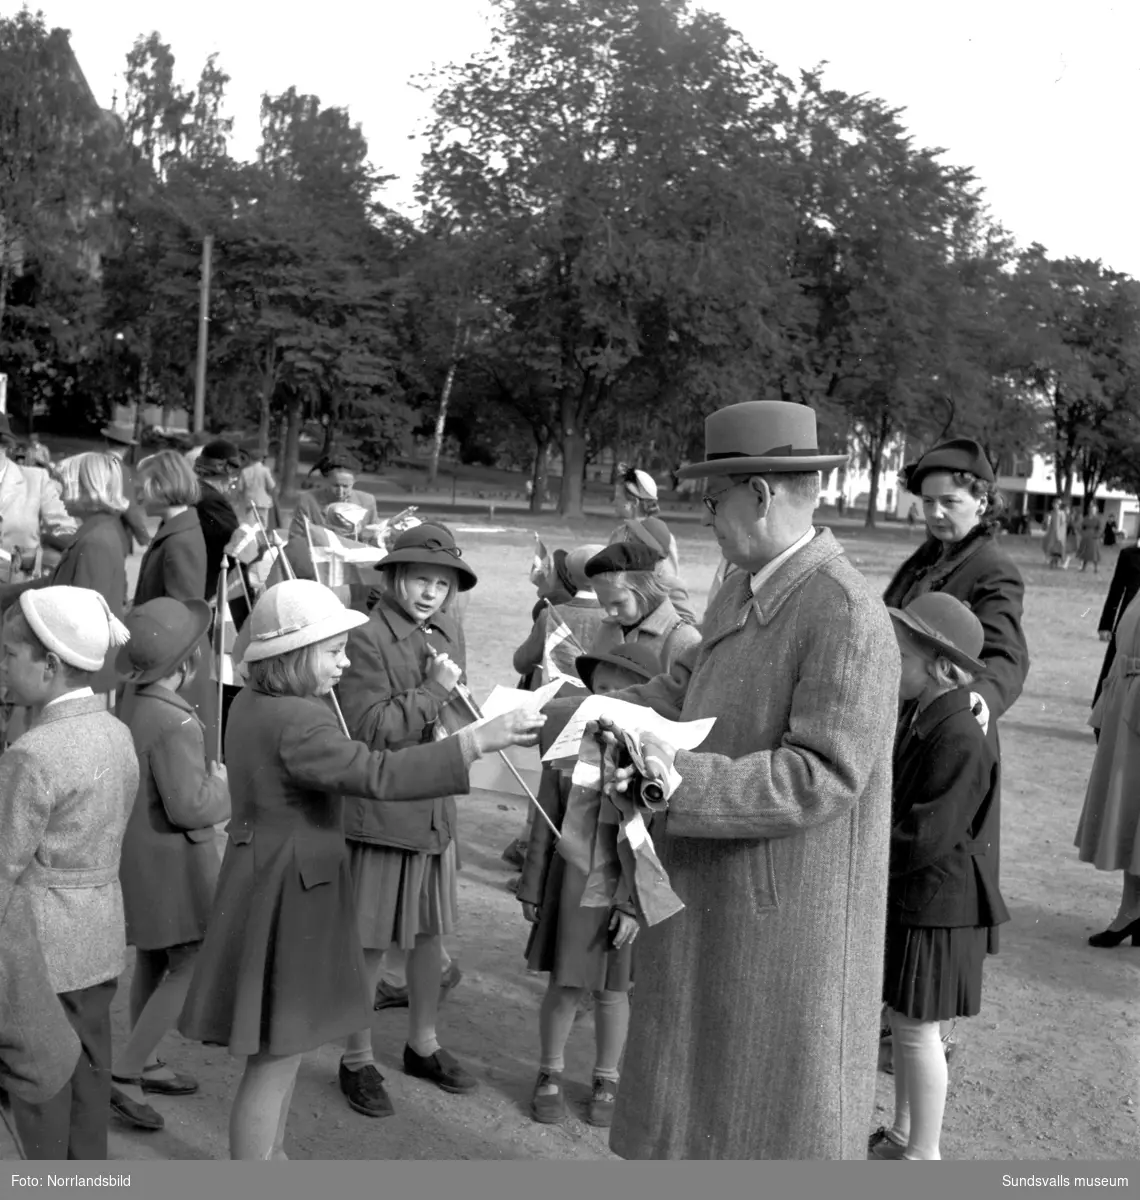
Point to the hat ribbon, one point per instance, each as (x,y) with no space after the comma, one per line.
(775,452)
(282,631)
(436,544)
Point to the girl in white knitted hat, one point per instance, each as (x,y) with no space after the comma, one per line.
(281,971)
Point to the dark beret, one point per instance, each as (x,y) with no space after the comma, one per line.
(957,454)
(221,451)
(624,556)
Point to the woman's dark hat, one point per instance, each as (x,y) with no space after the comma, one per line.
(431,545)
(624,556)
(635,657)
(219,455)
(163,633)
(119,433)
(761,437)
(946,626)
(957,454)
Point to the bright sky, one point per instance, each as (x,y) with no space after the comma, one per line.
(1040,97)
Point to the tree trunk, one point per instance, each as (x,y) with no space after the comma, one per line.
(291,448)
(539,475)
(458,343)
(573,445)
(264,416)
(873,488)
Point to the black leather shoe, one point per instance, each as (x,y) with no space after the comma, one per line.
(365,1091)
(1113,937)
(141,1116)
(441,1069)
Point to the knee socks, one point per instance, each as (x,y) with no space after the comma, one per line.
(920,1086)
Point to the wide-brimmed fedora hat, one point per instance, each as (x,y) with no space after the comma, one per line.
(432,546)
(956,454)
(946,626)
(635,657)
(119,433)
(761,437)
(295,614)
(163,633)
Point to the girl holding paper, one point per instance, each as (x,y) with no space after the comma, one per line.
(405,665)
(583,948)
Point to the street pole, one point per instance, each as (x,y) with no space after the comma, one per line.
(203,336)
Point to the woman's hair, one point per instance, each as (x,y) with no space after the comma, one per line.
(948,674)
(22,634)
(167,478)
(192,664)
(648,586)
(293,673)
(982,489)
(393,578)
(94,483)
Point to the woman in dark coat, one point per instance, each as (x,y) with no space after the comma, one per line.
(281,970)
(1124,586)
(961,557)
(174,564)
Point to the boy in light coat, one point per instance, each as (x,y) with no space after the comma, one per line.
(67,787)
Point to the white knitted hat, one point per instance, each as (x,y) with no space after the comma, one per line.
(75,623)
(296,613)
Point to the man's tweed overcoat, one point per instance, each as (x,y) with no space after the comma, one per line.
(756,1020)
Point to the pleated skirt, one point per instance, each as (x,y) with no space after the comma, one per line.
(934,974)
(400,893)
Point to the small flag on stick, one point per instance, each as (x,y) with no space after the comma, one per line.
(559,650)
(543,565)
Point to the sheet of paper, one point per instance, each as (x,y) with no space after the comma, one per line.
(505,699)
(683,735)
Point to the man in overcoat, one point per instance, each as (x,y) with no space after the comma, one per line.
(755,1030)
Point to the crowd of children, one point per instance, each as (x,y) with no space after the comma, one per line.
(274,902)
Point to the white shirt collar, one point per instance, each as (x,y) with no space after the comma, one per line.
(587,594)
(78,694)
(766,572)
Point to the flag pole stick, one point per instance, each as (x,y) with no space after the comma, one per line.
(220,638)
(473,708)
(340,715)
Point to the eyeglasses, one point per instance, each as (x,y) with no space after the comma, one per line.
(710,502)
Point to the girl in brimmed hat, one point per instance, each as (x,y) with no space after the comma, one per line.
(406,663)
(169,864)
(943,895)
(632,588)
(281,970)
(585,949)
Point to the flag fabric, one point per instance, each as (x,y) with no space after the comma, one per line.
(337,560)
(246,544)
(225,634)
(543,565)
(560,649)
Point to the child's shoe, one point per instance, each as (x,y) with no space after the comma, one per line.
(881,1145)
(601,1110)
(548,1107)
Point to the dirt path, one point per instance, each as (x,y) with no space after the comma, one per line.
(1049,1070)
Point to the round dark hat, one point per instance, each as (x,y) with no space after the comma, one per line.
(761,437)
(220,453)
(636,657)
(945,625)
(956,454)
(163,633)
(624,556)
(433,545)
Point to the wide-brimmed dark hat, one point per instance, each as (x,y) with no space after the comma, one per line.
(120,433)
(163,633)
(956,454)
(945,625)
(761,437)
(431,545)
(635,657)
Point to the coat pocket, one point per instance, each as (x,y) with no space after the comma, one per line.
(763,877)
(200,835)
(918,891)
(317,865)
